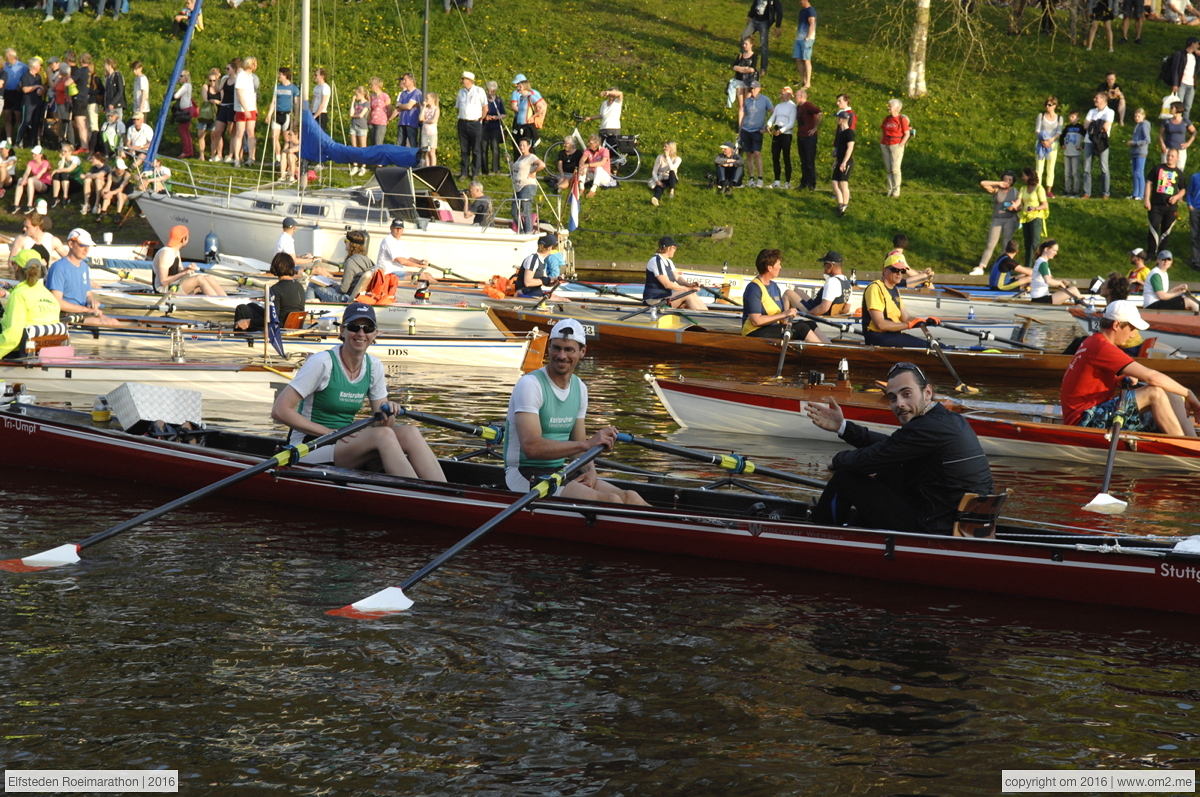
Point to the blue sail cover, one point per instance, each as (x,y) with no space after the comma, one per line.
(317,147)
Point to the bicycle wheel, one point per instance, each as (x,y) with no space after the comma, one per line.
(625,166)
(551,156)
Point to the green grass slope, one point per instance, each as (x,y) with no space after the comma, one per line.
(671,60)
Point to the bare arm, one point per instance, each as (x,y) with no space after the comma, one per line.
(535,446)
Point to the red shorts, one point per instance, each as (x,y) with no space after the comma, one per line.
(246,116)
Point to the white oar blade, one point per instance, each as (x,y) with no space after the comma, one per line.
(381,604)
(55,557)
(1105,504)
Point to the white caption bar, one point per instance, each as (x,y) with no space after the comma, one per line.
(112,781)
(1046,781)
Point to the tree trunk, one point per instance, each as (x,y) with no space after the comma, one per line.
(916,51)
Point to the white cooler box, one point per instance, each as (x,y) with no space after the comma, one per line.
(133,402)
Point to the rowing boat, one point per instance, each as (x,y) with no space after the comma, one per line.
(1176,331)
(1031,431)
(1083,566)
(149,337)
(682,343)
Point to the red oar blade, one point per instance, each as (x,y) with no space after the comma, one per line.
(55,557)
(387,601)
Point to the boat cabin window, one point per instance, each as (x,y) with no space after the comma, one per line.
(265,204)
(309,210)
(370,215)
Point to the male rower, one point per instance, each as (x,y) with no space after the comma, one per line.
(834,298)
(1160,405)
(394,257)
(911,480)
(884,315)
(532,278)
(71,282)
(661,282)
(545,424)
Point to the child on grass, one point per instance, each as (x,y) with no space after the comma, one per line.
(431,112)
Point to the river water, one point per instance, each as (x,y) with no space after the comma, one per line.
(527,667)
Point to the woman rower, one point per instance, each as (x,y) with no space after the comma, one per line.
(169,275)
(328,392)
(29,304)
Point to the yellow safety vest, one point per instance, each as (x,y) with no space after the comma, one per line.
(768,303)
(892,310)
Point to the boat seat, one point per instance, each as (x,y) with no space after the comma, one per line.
(42,336)
(977,514)
(295,320)
(1146,347)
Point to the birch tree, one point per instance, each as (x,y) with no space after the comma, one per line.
(917,51)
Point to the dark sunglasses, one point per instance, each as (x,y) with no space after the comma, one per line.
(901,367)
(366,326)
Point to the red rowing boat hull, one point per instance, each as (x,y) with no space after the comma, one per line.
(1018,568)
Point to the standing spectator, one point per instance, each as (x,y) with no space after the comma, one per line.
(137,141)
(524,177)
(33,94)
(754,120)
(806,32)
(843,161)
(729,168)
(408,112)
(1116,98)
(493,129)
(62,103)
(210,100)
(1139,150)
(1072,149)
(1095,146)
(225,112)
(377,119)
(843,104)
(808,123)
(35,181)
(245,113)
(665,174)
(471,105)
(1102,13)
(1004,216)
(1035,209)
(1176,133)
(1048,130)
(79,90)
(595,167)
(782,126)
(567,164)
(141,88)
(610,114)
(760,17)
(184,113)
(321,94)
(1132,9)
(114,88)
(1164,190)
(283,104)
(360,109)
(95,92)
(431,114)
(1182,68)
(745,72)
(14,70)
(895,134)
(529,110)
(65,176)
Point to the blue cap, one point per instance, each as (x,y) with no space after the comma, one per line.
(519,79)
(289,223)
(358,310)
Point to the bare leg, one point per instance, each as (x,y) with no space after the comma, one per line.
(603,491)
(419,453)
(1157,401)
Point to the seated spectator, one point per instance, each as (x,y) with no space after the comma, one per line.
(8,166)
(66,176)
(119,186)
(567,163)
(595,167)
(729,168)
(112,133)
(35,181)
(137,141)
(665,174)
(155,178)
(95,182)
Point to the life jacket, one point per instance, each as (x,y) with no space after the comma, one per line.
(891,307)
(381,289)
(769,305)
(842,305)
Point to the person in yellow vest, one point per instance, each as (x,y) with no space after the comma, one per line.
(767,308)
(913,278)
(29,303)
(884,316)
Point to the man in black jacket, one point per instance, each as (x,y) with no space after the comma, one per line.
(1181,69)
(911,480)
(761,16)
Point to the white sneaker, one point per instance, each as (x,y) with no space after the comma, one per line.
(977,271)
(49,18)
(787,186)
(66,19)
(775,184)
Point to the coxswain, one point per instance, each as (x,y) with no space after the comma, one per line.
(546,424)
(329,391)
(911,480)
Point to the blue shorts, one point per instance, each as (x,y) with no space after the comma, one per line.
(751,142)
(1101,415)
(802,49)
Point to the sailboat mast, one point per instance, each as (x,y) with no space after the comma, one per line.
(305,53)
(425,54)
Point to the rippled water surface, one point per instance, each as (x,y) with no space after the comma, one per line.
(530,667)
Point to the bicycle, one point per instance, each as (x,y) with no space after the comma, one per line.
(623,152)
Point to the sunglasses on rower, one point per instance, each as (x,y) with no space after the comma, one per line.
(365,326)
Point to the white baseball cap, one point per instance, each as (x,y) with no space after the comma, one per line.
(81,235)
(1125,310)
(569,329)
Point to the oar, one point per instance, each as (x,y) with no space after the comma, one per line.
(985,335)
(732,462)
(787,340)
(716,294)
(546,296)
(1103,503)
(492,433)
(961,387)
(664,303)
(69,553)
(392,599)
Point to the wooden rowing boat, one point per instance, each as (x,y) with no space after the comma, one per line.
(867,363)
(727,526)
(1030,431)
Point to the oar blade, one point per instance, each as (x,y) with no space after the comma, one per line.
(55,557)
(1105,504)
(387,601)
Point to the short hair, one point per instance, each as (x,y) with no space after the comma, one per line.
(1011,247)
(767,258)
(900,240)
(135,64)
(35,61)
(110,62)
(897,104)
(523,140)
(249,61)
(845,97)
(1178,107)
(322,71)
(475,184)
(85,59)
(36,219)
(1116,287)
(286,71)
(493,85)
(283,265)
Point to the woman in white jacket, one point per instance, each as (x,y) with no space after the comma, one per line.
(665,174)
